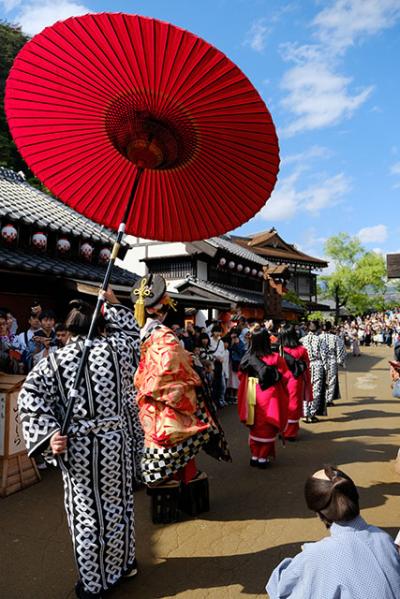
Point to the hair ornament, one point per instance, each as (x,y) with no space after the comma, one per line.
(143,291)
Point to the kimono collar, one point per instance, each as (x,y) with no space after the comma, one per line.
(340,528)
(151,323)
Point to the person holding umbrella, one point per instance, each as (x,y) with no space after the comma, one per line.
(101,453)
(177,418)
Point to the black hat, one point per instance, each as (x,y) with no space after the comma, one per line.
(147,292)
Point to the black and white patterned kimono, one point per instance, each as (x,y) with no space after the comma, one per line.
(336,355)
(318,354)
(105,444)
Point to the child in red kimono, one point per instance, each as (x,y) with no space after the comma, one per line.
(263,396)
(299,385)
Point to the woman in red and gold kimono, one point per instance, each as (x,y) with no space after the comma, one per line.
(299,385)
(263,396)
(176,420)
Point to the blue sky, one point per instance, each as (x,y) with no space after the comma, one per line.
(329,73)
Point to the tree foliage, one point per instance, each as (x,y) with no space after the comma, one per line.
(294,298)
(359,279)
(11,41)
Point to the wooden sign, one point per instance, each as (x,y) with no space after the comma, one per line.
(393,266)
(17,470)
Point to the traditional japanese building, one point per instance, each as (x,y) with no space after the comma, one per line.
(49,252)
(217,269)
(270,246)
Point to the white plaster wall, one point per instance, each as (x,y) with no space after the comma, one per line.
(202,270)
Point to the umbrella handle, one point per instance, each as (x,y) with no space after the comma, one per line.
(72,395)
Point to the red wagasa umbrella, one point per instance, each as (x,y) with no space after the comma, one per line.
(141,126)
(94,100)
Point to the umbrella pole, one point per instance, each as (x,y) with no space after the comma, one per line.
(100,301)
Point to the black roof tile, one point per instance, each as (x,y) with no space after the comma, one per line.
(225,243)
(18,261)
(19,201)
(224,291)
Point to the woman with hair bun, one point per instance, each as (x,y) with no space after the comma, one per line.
(100,456)
(262,396)
(299,385)
(357,561)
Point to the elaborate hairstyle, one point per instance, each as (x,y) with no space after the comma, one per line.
(288,336)
(335,499)
(260,344)
(79,318)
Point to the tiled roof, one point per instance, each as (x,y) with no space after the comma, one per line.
(270,245)
(225,292)
(224,243)
(17,260)
(19,201)
(290,256)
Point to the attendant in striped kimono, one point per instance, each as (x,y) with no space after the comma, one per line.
(336,355)
(101,455)
(318,356)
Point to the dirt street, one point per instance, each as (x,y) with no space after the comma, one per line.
(257,517)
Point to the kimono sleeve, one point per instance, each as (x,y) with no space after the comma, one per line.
(165,374)
(323,351)
(340,351)
(289,579)
(37,403)
(284,370)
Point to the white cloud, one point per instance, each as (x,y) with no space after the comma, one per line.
(288,199)
(318,97)
(306,156)
(326,194)
(375,234)
(316,94)
(342,23)
(284,202)
(35,16)
(395,169)
(257,35)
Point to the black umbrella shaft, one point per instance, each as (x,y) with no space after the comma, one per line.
(100,301)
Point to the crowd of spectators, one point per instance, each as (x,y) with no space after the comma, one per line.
(378,328)
(21,347)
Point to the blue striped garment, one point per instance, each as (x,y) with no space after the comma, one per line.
(357,561)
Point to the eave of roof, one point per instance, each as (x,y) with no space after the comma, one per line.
(17,260)
(224,243)
(20,202)
(294,256)
(241,297)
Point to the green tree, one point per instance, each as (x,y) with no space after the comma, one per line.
(11,41)
(359,279)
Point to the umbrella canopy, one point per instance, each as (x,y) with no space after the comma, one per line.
(93,98)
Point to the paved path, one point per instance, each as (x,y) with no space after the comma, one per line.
(257,517)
